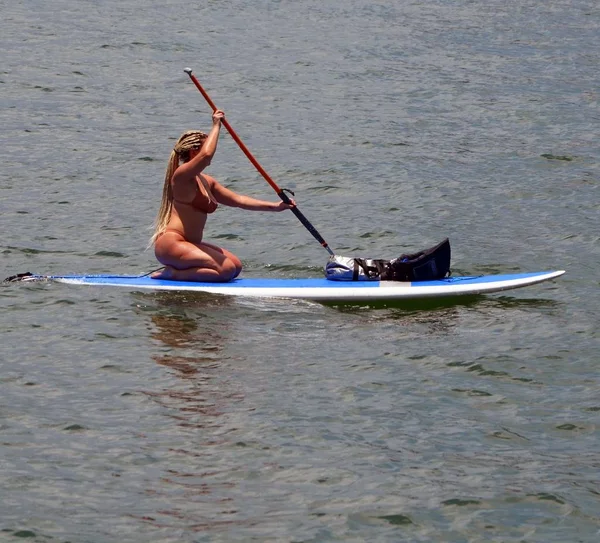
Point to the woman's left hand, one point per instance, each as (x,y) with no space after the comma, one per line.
(218,116)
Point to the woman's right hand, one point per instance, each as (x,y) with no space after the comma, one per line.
(282,206)
(217,116)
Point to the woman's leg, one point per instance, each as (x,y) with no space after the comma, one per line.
(236,261)
(187,261)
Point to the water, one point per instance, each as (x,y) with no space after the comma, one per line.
(166,417)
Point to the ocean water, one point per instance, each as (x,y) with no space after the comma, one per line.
(168,417)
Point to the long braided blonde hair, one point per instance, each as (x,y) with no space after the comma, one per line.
(192,139)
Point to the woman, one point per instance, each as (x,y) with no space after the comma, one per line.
(189,196)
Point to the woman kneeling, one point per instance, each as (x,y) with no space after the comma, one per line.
(189,196)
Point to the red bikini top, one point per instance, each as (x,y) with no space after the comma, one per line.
(204,200)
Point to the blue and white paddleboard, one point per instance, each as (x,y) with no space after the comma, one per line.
(322,289)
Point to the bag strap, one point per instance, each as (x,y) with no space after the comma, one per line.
(373,269)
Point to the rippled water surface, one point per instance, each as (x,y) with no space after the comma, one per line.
(186,418)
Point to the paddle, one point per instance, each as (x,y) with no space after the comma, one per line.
(280,192)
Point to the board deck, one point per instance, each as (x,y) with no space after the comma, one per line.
(323,289)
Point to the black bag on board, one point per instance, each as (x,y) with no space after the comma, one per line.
(426,265)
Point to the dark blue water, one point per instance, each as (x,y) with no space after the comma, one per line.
(178,417)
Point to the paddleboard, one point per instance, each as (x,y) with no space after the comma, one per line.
(321,289)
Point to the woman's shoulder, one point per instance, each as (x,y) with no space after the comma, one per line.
(209,179)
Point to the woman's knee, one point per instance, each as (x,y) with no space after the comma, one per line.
(229,269)
(236,261)
(238,265)
(229,256)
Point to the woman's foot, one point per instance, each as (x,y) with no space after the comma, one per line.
(167,273)
(203,275)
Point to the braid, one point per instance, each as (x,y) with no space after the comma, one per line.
(192,139)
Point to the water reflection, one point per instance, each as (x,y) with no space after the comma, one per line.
(193,490)
(410,305)
(191,341)
(433,304)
